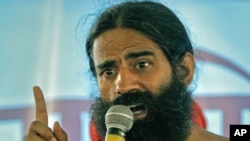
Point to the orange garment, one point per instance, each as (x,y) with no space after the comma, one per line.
(198,118)
(93,134)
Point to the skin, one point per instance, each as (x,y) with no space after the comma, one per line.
(39,130)
(134,62)
(125,60)
(125,72)
(129,72)
(128,61)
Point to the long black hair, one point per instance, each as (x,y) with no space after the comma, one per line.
(154,20)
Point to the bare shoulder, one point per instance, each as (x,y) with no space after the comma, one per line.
(198,134)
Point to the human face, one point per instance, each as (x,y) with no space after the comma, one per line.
(169,113)
(125,60)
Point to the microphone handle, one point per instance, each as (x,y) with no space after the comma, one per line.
(115,134)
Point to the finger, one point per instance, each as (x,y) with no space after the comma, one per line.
(32,137)
(60,134)
(36,138)
(37,128)
(41,111)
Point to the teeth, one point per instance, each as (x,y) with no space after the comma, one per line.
(137,112)
(133,106)
(136,108)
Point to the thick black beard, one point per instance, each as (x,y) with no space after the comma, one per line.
(168,119)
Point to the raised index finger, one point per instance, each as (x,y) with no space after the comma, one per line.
(41,112)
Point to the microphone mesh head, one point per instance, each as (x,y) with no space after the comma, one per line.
(119,116)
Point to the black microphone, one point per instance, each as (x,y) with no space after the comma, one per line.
(118,119)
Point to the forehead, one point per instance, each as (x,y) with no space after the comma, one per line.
(119,41)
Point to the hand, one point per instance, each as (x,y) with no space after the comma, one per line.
(39,130)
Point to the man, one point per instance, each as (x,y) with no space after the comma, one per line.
(141,57)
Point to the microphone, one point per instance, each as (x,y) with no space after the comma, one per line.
(118,119)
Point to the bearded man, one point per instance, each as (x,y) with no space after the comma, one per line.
(141,57)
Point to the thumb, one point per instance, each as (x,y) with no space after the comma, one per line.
(60,134)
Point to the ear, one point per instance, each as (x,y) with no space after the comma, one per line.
(188,65)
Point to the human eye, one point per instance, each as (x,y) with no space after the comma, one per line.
(108,72)
(142,65)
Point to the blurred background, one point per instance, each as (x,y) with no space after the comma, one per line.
(41,44)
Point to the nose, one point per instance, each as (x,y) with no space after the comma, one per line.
(126,82)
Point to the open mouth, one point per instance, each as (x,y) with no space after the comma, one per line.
(139,111)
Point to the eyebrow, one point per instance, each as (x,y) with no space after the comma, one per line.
(106,64)
(133,55)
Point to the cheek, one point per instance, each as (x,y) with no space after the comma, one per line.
(165,74)
(153,85)
(106,90)
(157,79)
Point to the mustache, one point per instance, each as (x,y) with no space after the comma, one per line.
(132,98)
(168,110)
